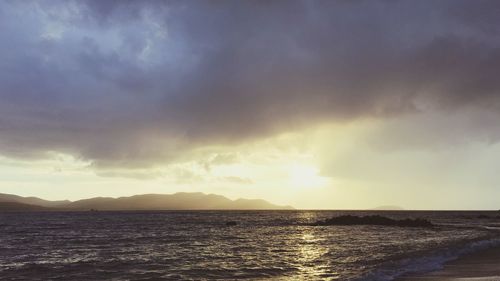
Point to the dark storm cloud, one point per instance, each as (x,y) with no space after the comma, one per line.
(135,82)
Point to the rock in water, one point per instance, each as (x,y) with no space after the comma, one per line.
(374,220)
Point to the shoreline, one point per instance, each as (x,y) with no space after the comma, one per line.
(483,265)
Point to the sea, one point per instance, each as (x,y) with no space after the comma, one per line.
(232,245)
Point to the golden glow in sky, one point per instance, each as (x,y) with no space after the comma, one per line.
(297,103)
(322,167)
(304,176)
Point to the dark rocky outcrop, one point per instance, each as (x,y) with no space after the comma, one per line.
(374,220)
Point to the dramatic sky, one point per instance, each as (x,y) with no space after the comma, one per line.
(316,104)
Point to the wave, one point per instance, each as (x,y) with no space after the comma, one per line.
(426,263)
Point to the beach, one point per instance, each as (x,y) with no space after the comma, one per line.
(483,265)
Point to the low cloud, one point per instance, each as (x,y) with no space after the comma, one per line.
(131,84)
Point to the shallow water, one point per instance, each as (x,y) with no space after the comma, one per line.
(198,245)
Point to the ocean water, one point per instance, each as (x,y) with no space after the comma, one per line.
(264,245)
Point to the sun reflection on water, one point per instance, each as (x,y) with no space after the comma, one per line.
(311,256)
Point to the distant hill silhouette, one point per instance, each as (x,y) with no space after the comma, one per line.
(388,208)
(177,201)
(21,207)
(32,200)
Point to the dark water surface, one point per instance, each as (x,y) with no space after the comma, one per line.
(197,245)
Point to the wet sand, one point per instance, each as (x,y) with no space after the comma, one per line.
(480,266)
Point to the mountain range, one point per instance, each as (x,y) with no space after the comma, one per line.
(388,208)
(177,201)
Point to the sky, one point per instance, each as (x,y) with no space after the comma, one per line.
(314,104)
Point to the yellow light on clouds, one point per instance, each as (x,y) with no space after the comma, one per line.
(303,175)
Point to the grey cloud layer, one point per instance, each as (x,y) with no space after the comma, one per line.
(135,82)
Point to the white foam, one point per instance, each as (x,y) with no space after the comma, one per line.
(429,263)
